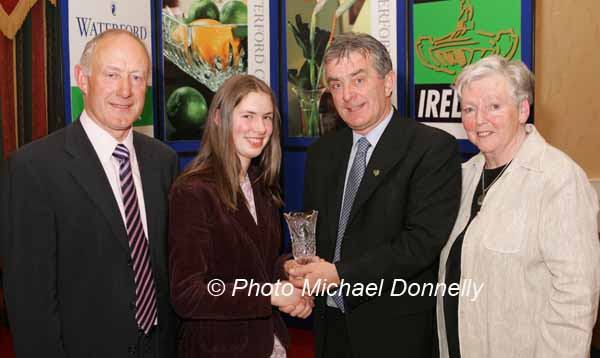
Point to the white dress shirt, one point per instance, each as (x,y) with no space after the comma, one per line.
(104,144)
(373,137)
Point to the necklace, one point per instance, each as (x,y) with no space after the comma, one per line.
(484,190)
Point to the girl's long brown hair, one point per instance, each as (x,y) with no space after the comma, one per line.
(218,161)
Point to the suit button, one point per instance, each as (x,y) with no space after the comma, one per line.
(130,262)
(131,350)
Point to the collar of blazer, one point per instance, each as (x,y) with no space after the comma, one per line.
(253,232)
(155,190)
(391,148)
(86,169)
(529,156)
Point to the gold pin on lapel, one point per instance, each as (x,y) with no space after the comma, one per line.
(376,172)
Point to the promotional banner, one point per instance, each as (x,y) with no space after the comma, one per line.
(384,29)
(204,43)
(463,32)
(87,19)
(310,111)
(259,45)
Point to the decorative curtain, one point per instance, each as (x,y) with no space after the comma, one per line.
(25,66)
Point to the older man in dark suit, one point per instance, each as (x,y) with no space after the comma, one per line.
(387,190)
(86,270)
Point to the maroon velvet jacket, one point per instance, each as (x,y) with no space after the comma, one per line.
(206,242)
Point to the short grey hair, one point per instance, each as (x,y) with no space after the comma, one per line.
(350,42)
(88,52)
(519,78)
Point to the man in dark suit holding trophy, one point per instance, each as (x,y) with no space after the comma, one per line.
(387,191)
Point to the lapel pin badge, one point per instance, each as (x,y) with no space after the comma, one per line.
(376,172)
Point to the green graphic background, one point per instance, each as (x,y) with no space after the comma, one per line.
(437,19)
(147,114)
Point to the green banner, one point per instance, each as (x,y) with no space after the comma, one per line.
(451,34)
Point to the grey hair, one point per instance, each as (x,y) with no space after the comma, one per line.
(88,52)
(350,42)
(519,78)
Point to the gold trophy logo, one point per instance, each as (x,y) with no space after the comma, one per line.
(465,45)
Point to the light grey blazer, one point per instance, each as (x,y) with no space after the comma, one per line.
(534,246)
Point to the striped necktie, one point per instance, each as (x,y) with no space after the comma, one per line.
(354,178)
(145,303)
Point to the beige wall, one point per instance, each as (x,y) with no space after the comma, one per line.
(567,69)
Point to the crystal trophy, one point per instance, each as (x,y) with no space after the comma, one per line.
(302,232)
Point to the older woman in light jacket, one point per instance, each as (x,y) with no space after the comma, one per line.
(526,233)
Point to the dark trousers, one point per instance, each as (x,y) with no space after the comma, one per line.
(147,345)
(337,341)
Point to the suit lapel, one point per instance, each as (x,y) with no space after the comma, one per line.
(252,232)
(88,172)
(339,164)
(242,214)
(150,177)
(262,210)
(390,149)
(244,218)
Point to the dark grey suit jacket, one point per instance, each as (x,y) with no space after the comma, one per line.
(401,218)
(68,277)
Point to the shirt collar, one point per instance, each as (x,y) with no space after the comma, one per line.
(374,134)
(104,144)
(528,156)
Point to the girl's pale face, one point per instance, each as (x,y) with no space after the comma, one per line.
(252,126)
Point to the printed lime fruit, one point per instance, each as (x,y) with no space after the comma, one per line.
(202,9)
(236,12)
(186,108)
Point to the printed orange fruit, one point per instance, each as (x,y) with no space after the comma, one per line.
(210,39)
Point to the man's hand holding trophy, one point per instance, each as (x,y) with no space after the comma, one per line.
(307,269)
